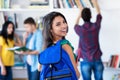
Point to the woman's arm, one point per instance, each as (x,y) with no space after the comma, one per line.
(68,49)
(79,15)
(3,70)
(18,42)
(95,3)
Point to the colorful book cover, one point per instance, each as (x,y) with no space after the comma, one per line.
(16,48)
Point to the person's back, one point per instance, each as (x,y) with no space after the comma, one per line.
(89,48)
(89,39)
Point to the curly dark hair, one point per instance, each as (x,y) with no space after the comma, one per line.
(86,14)
(29,20)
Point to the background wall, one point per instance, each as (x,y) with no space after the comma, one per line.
(110,28)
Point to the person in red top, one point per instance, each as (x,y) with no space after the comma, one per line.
(90,52)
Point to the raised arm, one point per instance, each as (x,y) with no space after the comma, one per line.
(18,42)
(95,3)
(79,15)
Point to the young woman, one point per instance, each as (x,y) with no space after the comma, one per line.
(6,56)
(55,28)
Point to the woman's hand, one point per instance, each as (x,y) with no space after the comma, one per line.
(21,52)
(78,74)
(3,71)
(18,52)
(39,67)
(18,42)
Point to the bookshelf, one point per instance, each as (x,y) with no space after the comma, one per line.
(17,11)
(22,9)
(109,35)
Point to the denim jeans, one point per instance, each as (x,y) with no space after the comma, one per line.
(8,76)
(88,67)
(32,75)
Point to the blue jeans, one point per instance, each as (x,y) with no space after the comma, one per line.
(32,75)
(95,66)
(8,76)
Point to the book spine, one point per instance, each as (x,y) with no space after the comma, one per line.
(75,6)
(83,3)
(117,61)
(111,61)
(68,3)
(6,4)
(91,3)
(61,3)
(78,3)
(15,17)
(2,19)
(65,4)
(55,4)
(0,4)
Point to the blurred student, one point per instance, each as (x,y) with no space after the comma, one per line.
(89,48)
(7,36)
(32,39)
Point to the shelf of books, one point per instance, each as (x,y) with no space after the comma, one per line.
(26,4)
(17,11)
(114,61)
(18,17)
(113,64)
(71,3)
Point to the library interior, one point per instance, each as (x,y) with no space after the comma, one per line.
(18,10)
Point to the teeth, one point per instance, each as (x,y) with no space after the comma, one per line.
(64,30)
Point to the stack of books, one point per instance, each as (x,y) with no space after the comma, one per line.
(2,19)
(72,3)
(5,4)
(39,4)
(114,61)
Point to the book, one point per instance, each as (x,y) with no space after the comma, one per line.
(56,4)
(114,61)
(17,48)
(61,3)
(0,4)
(15,18)
(6,4)
(78,3)
(39,2)
(2,20)
(87,3)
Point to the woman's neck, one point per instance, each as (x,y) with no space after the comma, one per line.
(56,40)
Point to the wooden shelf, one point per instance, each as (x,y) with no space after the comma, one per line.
(15,10)
(112,69)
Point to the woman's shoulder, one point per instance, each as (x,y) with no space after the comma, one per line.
(65,41)
(1,38)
